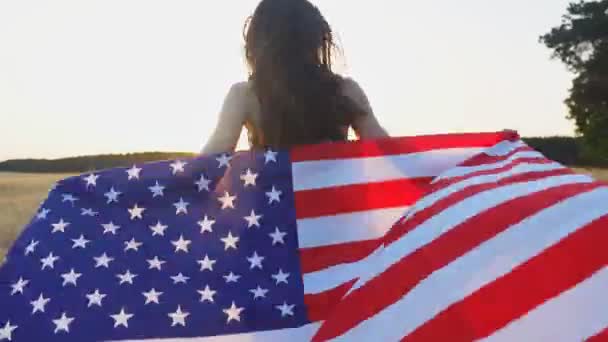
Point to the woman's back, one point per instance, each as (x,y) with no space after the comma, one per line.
(292,97)
(254,117)
(241,108)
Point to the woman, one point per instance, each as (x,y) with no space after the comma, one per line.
(292,97)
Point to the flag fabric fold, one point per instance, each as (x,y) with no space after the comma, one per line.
(296,245)
(508,246)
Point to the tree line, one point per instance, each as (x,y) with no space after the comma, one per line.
(581,43)
(87,163)
(566,150)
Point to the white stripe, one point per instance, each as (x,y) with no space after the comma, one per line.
(504,147)
(481,266)
(337,229)
(321,281)
(465,170)
(460,212)
(575,315)
(436,196)
(304,333)
(320,174)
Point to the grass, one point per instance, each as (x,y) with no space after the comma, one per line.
(21,194)
(601,174)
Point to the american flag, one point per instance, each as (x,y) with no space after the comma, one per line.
(508,246)
(259,245)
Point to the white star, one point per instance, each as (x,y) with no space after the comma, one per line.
(256,261)
(134,245)
(253,219)
(181,244)
(49,261)
(155,263)
(278,236)
(234,313)
(224,160)
(42,214)
(136,212)
(112,196)
(88,212)
(39,304)
(178,166)
(71,277)
(274,195)
(152,296)
(19,285)
(206,263)
(31,248)
(7,331)
(180,278)
(95,298)
(158,229)
(157,190)
(203,183)
(206,225)
(59,226)
(181,207)
(207,294)
(230,241)
(249,178)
(133,172)
(281,277)
(259,292)
(91,180)
(81,242)
(286,310)
(227,201)
(110,228)
(63,323)
(121,318)
(103,261)
(232,278)
(68,198)
(270,156)
(179,317)
(126,278)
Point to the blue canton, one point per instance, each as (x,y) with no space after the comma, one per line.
(198,247)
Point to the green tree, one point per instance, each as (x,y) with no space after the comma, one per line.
(581,42)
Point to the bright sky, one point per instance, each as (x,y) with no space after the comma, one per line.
(96,76)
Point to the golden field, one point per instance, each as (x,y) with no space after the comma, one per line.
(21,194)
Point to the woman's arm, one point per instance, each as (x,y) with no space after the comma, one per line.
(230,123)
(366,126)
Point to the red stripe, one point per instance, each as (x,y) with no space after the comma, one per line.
(556,270)
(392,146)
(601,337)
(401,277)
(483,159)
(319,258)
(449,181)
(359,197)
(319,305)
(404,227)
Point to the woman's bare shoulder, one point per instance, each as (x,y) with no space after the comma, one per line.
(239,91)
(232,116)
(366,126)
(242,92)
(352,89)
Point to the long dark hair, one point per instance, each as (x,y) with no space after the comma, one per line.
(289,48)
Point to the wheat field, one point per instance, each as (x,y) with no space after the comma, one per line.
(21,194)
